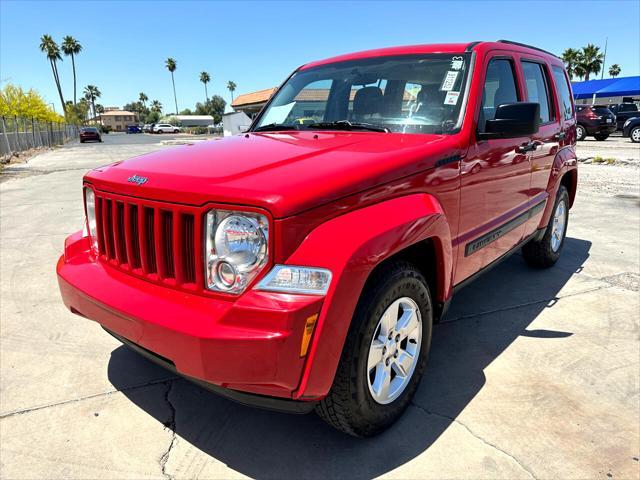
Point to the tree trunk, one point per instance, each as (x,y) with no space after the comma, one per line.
(73,64)
(175,98)
(57,79)
(206,94)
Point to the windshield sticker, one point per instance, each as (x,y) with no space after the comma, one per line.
(278,114)
(457,63)
(451,98)
(449,81)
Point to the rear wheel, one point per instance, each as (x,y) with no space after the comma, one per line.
(384,355)
(176,131)
(581,132)
(635,135)
(545,252)
(601,136)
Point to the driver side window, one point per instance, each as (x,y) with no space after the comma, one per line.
(499,88)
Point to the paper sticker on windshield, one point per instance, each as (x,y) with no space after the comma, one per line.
(451,98)
(457,63)
(449,81)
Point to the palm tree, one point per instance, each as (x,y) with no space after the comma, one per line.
(71,47)
(51,49)
(91,92)
(171,65)
(156,106)
(205,78)
(143,99)
(99,108)
(231,86)
(571,57)
(614,70)
(590,60)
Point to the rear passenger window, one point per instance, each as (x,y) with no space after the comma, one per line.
(499,88)
(537,90)
(564,94)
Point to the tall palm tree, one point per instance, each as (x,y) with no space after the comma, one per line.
(614,70)
(156,106)
(71,47)
(143,99)
(231,86)
(91,92)
(571,58)
(205,78)
(171,65)
(51,49)
(591,60)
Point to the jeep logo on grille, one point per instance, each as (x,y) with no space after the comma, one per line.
(137,179)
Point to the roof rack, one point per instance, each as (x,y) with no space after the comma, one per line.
(527,46)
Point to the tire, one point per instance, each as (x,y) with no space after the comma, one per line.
(81,141)
(581,132)
(350,405)
(176,131)
(545,252)
(601,136)
(634,134)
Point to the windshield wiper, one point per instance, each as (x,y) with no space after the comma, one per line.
(347,125)
(270,127)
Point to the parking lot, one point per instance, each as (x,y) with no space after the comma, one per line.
(532,374)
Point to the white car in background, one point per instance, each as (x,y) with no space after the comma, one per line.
(165,128)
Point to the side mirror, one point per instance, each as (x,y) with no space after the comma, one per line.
(513,120)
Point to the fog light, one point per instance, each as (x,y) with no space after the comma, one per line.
(226,274)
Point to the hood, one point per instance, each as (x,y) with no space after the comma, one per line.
(283,172)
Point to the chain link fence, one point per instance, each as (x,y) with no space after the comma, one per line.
(18,134)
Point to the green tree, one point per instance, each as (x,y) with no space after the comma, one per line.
(231,86)
(91,92)
(571,58)
(205,78)
(186,111)
(171,65)
(50,48)
(590,60)
(71,47)
(214,107)
(99,108)
(614,70)
(156,106)
(143,98)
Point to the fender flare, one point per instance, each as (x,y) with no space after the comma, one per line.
(351,246)
(565,160)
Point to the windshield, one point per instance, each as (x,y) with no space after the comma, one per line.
(407,94)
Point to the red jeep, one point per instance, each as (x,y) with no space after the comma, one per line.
(301,265)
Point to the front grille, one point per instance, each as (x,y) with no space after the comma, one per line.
(153,240)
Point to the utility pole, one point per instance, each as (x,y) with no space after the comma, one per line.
(604,60)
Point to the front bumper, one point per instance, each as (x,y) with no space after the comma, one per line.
(248,344)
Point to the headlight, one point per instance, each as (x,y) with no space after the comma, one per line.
(236,249)
(90,209)
(292,279)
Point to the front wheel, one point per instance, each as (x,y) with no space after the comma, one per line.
(601,136)
(635,135)
(384,355)
(545,252)
(176,131)
(581,132)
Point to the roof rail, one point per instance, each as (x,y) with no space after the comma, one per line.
(527,46)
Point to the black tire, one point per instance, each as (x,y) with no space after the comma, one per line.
(349,406)
(601,136)
(634,134)
(81,141)
(176,131)
(540,253)
(581,132)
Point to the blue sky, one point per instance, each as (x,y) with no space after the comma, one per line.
(257,44)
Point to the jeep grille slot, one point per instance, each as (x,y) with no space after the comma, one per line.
(158,242)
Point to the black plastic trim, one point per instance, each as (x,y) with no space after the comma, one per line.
(510,42)
(490,237)
(470,46)
(249,399)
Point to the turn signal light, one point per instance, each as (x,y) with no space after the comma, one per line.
(309,325)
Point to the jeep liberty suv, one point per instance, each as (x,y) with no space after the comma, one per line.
(302,264)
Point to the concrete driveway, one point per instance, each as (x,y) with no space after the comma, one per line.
(533,374)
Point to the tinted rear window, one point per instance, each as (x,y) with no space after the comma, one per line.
(90,130)
(601,111)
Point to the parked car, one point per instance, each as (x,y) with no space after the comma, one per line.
(148,127)
(302,265)
(594,120)
(165,128)
(631,129)
(623,112)
(133,129)
(90,134)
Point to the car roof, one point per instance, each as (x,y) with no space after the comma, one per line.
(436,48)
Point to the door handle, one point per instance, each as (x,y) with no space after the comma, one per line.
(527,147)
(560,136)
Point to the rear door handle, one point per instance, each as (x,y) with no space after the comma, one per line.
(560,136)
(527,147)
